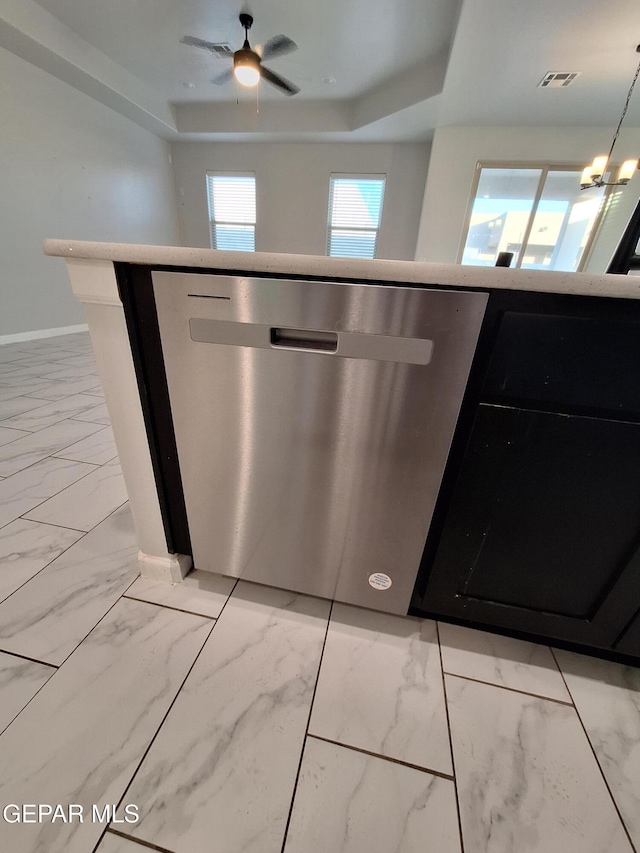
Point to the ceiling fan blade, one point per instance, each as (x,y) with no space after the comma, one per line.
(192,41)
(223,78)
(275,80)
(278,46)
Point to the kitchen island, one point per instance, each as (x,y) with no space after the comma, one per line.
(536,528)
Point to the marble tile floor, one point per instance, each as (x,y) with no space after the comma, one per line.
(235,718)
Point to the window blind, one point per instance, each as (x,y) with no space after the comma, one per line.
(355,210)
(232,211)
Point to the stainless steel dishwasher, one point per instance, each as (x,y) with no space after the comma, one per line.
(313,422)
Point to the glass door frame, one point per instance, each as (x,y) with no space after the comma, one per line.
(545,168)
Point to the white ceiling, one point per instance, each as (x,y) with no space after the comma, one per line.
(402,67)
(359,43)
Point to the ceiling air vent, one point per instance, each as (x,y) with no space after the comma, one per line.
(558,79)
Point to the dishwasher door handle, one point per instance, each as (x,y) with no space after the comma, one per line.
(361,345)
(305,339)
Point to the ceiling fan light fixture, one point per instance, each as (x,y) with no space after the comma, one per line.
(247,65)
(246,68)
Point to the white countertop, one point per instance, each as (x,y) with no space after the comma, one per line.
(409,272)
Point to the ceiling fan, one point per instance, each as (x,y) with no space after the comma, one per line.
(247,63)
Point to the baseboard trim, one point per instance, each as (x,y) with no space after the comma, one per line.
(171,569)
(43,333)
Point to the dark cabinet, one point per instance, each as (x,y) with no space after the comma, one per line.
(543,526)
(560,361)
(541,529)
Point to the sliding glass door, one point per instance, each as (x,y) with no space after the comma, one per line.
(539,214)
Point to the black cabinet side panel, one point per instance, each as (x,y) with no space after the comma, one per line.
(136,292)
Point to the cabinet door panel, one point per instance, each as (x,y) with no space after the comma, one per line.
(567,361)
(544,520)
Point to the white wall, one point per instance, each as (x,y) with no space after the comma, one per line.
(292,190)
(456,150)
(71,168)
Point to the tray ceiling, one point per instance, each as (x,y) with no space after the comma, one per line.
(401,67)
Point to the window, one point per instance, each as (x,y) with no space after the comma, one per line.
(232,210)
(540,214)
(355,210)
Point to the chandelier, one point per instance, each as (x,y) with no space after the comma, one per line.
(593,175)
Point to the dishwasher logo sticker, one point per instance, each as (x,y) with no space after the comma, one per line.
(380,581)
